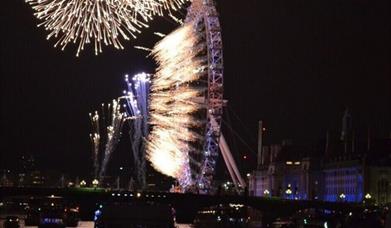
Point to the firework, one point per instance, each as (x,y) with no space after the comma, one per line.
(95,141)
(132,106)
(101,22)
(174,102)
(136,98)
(105,140)
(116,120)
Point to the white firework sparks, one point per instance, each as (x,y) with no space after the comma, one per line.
(95,140)
(136,98)
(104,140)
(116,119)
(173,103)
(101,22)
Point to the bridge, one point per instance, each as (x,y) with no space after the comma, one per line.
(185,205)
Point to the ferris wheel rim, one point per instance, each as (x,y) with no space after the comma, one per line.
(205,10)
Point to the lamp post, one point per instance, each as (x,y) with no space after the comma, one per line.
(119,177)
(266,193)
(83,183)
(368,199)
(368,196)
(288,191)
(95,183)
(250,182)
(342,196)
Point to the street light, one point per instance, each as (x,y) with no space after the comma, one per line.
(83,183)
(342,196)
(368,196)
(266,192)
(95,182)
(288,191)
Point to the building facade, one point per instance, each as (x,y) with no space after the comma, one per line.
(346,169)
(285,176)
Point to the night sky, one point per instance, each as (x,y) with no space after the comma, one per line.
(296,64)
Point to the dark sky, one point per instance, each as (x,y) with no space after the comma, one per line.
(296,64)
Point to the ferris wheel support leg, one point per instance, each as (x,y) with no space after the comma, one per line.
(231,162)
(227,163)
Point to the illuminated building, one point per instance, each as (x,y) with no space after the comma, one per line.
(345,169)
(355,169)
(286,171)
(359,173)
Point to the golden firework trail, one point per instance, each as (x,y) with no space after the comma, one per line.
(100,22)
(173,103)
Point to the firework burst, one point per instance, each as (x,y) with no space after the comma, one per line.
(174,103)
(136,98)
(101,22)
(95,140)
(104,140)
